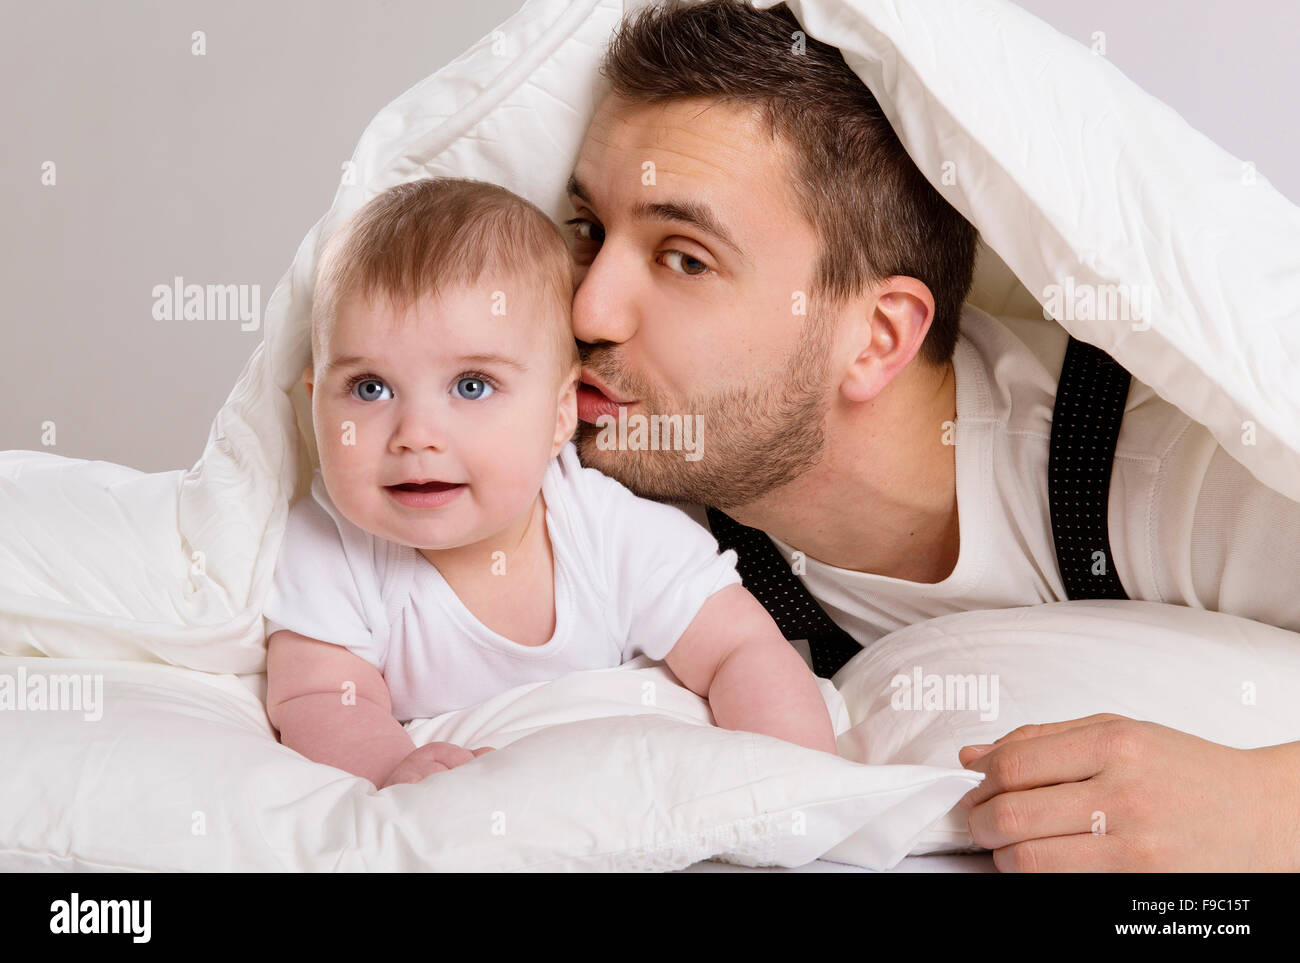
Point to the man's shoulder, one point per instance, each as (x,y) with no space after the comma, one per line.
(1023,357)
(1007,370)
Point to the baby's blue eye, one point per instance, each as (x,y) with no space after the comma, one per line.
(472,389)
(371,389)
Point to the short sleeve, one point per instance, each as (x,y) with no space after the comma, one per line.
(324,586)
(1243,554)
(662,565)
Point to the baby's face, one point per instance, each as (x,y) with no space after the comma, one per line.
(449,394)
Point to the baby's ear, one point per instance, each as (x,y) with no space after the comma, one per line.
(566,414)
(574,373)
(307,376)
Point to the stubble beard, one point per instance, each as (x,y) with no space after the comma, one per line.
(754,439)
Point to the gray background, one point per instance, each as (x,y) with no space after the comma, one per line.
(214,167)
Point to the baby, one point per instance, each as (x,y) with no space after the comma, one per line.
(452,546)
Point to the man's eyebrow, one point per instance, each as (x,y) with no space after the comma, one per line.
(693,213)
(575,189)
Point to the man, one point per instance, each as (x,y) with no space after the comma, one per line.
(754,246)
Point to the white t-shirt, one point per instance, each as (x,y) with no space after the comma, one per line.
(1188,524)
(630,574)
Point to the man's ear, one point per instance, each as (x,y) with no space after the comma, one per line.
(566,416)
(307,376)
(887,335)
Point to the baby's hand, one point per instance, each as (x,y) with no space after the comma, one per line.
(427,759)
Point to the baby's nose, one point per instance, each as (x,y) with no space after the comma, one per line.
(419,428)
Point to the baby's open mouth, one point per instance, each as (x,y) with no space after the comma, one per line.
(429,494)
(429,486)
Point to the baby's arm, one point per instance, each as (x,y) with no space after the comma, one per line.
(304,700)
(733,654)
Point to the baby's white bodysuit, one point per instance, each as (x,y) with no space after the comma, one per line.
(630,574)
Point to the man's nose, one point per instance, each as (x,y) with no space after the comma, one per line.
(603,303)
(419,427)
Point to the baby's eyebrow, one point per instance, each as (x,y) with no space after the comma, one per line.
(360,362)
(493,359)
(349,362)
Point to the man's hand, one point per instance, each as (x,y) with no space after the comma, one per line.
(430,758)
(1111,794)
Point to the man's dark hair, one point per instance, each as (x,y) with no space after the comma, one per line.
(874,211)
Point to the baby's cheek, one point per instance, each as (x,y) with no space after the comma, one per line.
(346,449)
(501,475)
(522,428)
(513,468)
(346,434)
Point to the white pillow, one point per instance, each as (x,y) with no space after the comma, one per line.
(615,769)
(1220,677)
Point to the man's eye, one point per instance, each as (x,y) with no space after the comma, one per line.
(579,223)
(688,263)
(472,389)
(370,389)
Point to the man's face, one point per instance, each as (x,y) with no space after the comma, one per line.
(673,319)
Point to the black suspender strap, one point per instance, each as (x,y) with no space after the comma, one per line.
(1090,398)
(797,614)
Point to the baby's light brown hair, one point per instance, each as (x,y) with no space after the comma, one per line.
(437,234)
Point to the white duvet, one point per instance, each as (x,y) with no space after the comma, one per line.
(154,583)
